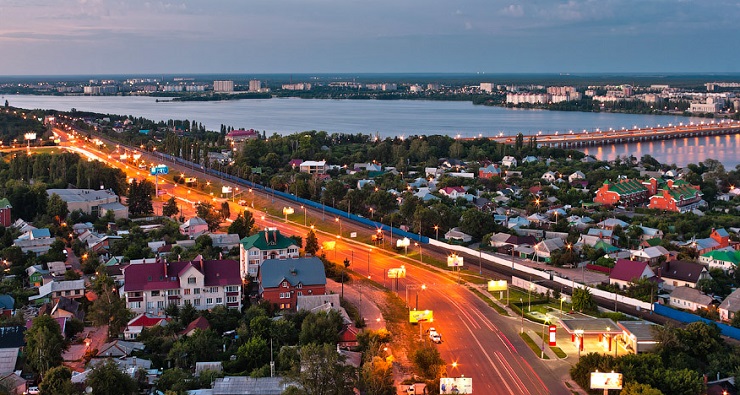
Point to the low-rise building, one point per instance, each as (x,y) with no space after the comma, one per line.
(5,208)
(53,290)
(38,241)
(681,273)
(725,259)
(265,244)
(313,167)
(194,227)
(625,192)
(626,272)
(283,280)
(730,306)
(90,201)
(204,284)
(678,196)
(689,299)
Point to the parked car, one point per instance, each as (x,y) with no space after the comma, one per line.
(242,202)
(435,336)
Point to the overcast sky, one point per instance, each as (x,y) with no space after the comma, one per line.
(315,36)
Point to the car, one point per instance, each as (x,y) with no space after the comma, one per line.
(33,391)
(434,336)
(242,202)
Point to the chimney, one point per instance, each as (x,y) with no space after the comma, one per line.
(164,265)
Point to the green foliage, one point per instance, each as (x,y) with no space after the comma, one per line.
(582,300)
(243,225)
(107,379)
(428,362)
(170,207)
(57,208)
(206,211)
(57,381)
(140,198)
(321,328)
(44,344)
(109,308)
(201,346)
(312,243)
(323,372)
(376,377)
(633,388)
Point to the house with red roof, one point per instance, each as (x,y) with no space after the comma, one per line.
(626,192)
(239,135)
(205,284)
(198,323)
(626,272)
(141,321)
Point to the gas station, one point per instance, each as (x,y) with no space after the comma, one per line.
(593,335)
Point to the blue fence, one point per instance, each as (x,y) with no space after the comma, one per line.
(688,318)
(308,203)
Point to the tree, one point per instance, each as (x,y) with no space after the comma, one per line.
(58,381)
(170,207)
(322,371)
(243,224)
(175,380)
(476,223)
(208,214)
(429,362)
(57,208)
(376,377)
(107,379)
(633,388)
(321,327)
(109,308)
(44,344)
(225,210)
(583,300)
(312,243)
(140,197)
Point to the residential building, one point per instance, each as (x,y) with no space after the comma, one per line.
(194,227)
(240,135)
(223,86)
(651,255)
(626,272)
(726,259)
(549,176)
(141,321)
(38,241)
(544,249)
(509,161)
(245,385)
(54,290)
(681,273)
(225,241)
(489,171)
(689,299)
(255,85)
(283,280)
(5,208)
(205,284)
(455,192)
(611,223)
(730,306)
(36,275)
(457,235)
(577,175)
(266,244)
(721,236)
(91,201)
(625,192)
(679,196)
(313,167)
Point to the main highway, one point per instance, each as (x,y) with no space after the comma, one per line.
(483,345)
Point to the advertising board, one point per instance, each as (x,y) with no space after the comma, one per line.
(606,381)
(416,316)
(455,385)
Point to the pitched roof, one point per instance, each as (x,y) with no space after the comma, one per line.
(626,270)
(731,302)
(164,275)
(147,320)
(5,203)
(198,323)
(626,187)
(268,239)
(724,256)
(306,271)
(691,295)
(12,336)
(681,270)
(7,302)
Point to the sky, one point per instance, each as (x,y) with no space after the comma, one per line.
(73,37)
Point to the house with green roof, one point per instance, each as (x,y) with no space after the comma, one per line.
(680,197)
(626,192)
(726,259)
(266,244)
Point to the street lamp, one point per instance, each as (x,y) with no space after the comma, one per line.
(346,265)
(423,288)
(339,235)
(421,256)
(304,214)
(529,293)
(562,299)
(521,307)
(436,232)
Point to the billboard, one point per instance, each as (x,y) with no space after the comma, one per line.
(329,245)
(30,136)
(606,381)
(226,189)
(159,170)
(454,261)
(455,385)
(416,316)
(190,180)
(500,285)
(399,272)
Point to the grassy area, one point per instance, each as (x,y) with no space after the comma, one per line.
(532,345)
(557,350)
(490,302)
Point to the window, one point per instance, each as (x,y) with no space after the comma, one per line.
(219,300)
(232,288)
(173,292)
(209,300)
(160,304)
(149,305)
(187,291)
(254,252)
(284,295)
(285,305)
(68,292)
(300,293)
(196,291)
(299,286)
(196,302)
(134,305)
(191,280)
(155,293)
(213,290)
(231,299)
(285,284)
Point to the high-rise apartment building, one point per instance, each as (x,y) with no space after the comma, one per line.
(255,85)
(223,86)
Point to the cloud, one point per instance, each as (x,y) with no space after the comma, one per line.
(514,10)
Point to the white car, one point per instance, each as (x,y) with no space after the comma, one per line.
(435,336)
(33,391)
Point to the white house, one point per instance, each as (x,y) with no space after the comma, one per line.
(577,175)
(550,176)
(730,306)
(509,161)
(689,299)
(313,167)
(194,227)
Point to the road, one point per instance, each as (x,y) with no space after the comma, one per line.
(484,345)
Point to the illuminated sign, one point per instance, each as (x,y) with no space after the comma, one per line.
(30,136)
(606,381)
(454,261)
(397,272)
(455,385)
(190,180)
(329,245)
(159,170)
(500,285)
(416,316)
(553,330)
(288,210)
(225,189)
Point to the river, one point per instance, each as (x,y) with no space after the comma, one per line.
(399,118)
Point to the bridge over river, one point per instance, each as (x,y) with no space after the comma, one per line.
(585,138)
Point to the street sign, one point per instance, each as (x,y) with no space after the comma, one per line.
(456,385)
(553,330)
(416,316)
(606,381)
(159,170)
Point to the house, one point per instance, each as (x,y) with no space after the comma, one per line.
(348,337)
(457,235)
(489,171)
(205,284)
(141,321)
(625,192)
(245,385)
(508,161)
(38,241)
(240,135)
(120,348)
(265,244)
(530,159)
(53,290)
(313,167)
(12,340)
(626,272)
(12,382)
(726,259)
(577,175)
(225,241)
(611,223)
(362,183)
(651,254)
(679,196)
(211,366)
(702,246)
(681,273)
(90,201)
(637,335)
(283,280)
(721,236)
(649,233)
(689,299)
(36,275)
(549,176)
(194,227)
(588,159)
(7,304)
(68,308)
(22,226)
(200,323)
(602,234)
(544,249)
(730,306)
(57,268)
(293,163)
(5,208)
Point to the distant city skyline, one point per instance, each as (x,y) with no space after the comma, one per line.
(73,37)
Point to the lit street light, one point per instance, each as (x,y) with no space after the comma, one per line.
(339,235)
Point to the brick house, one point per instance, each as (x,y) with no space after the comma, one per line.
(626,192)
(283,280)
(150,287)
(678,196)
(266,244)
